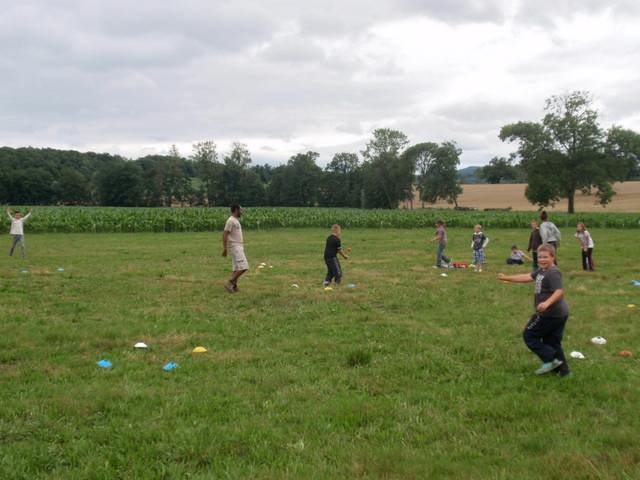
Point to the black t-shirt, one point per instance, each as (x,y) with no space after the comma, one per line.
(478,240)
(333,247)
(547,283)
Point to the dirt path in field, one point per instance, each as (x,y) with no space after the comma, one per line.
(503,196)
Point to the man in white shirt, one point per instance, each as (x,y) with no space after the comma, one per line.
(17,231)
(232,242)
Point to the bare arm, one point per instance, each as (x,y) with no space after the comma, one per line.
(225,235)
(518,278)
(9,214)
(527,257)
(342,254)
(27,215)
(556,296)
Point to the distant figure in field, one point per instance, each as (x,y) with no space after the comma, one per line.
(517,256)
(544,330)
(535,240)
(232,242)
(586,244)
(17,231)
(479,242)
(550,233)
(442,261)
(333,248)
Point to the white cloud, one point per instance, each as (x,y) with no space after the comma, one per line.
(281,76)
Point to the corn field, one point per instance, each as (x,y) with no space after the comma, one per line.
(108,219)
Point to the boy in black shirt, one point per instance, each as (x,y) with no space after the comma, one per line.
(332,249)
(544,330)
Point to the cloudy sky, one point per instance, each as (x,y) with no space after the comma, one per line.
(286,76)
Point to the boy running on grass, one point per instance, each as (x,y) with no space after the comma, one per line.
(544,330)
(479,241)
(232,240)
(17,231)
(332,249)
(441,238)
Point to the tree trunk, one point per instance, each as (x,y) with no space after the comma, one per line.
(571,198)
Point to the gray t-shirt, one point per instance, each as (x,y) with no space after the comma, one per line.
(547,283)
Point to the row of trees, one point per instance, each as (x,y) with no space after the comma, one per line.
(381,177)
(564,153)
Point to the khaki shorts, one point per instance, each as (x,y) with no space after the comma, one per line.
(238,259)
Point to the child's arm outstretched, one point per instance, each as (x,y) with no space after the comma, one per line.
(9,214)
(28,214)
(529,259)
(518,278)
(342,254)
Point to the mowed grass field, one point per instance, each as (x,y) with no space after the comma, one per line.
(445,388)
(627,199)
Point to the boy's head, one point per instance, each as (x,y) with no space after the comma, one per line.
(534,224)
(546,255)
(236,210)
(335,229)
(580,227)
(477,228)
(17,215)
(514,248)
(544,216)
(439,223)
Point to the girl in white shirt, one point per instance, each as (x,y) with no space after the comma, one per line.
(17,231)
(586,243)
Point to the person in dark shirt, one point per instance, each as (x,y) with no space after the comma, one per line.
(544,330)
(535,240)
(332,249)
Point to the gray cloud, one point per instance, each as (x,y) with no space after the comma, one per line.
(285,76)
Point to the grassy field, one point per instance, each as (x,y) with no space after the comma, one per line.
(627,199)
(445,387)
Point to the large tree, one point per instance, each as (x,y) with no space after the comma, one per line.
(387,175)
(568,151)
(437,170)
(341,182)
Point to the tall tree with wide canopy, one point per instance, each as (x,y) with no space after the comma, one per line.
(436,170)
(387,175)
(568,151)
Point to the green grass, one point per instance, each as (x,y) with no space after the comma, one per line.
(409,375)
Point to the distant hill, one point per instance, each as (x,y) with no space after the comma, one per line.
(468,175)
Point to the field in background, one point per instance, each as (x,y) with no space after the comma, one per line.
(108,220)
(503,196)
(408,375)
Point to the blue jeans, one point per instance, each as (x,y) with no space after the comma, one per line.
(441,256)
(17,239)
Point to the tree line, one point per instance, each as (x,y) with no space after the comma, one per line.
(564,153)
(383,175)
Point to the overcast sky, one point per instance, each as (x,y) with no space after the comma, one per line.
(286,76)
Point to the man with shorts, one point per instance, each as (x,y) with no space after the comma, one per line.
(232,243)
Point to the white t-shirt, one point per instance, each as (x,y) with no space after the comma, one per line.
(235,232)
(585,239)
(17,224)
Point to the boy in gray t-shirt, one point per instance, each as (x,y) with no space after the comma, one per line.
(544,330)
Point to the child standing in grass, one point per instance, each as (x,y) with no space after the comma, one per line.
(586,244)
(441,238)
(544,330)
(549,233)
(332,249)
(479,242)
(535,240)
(17,231)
